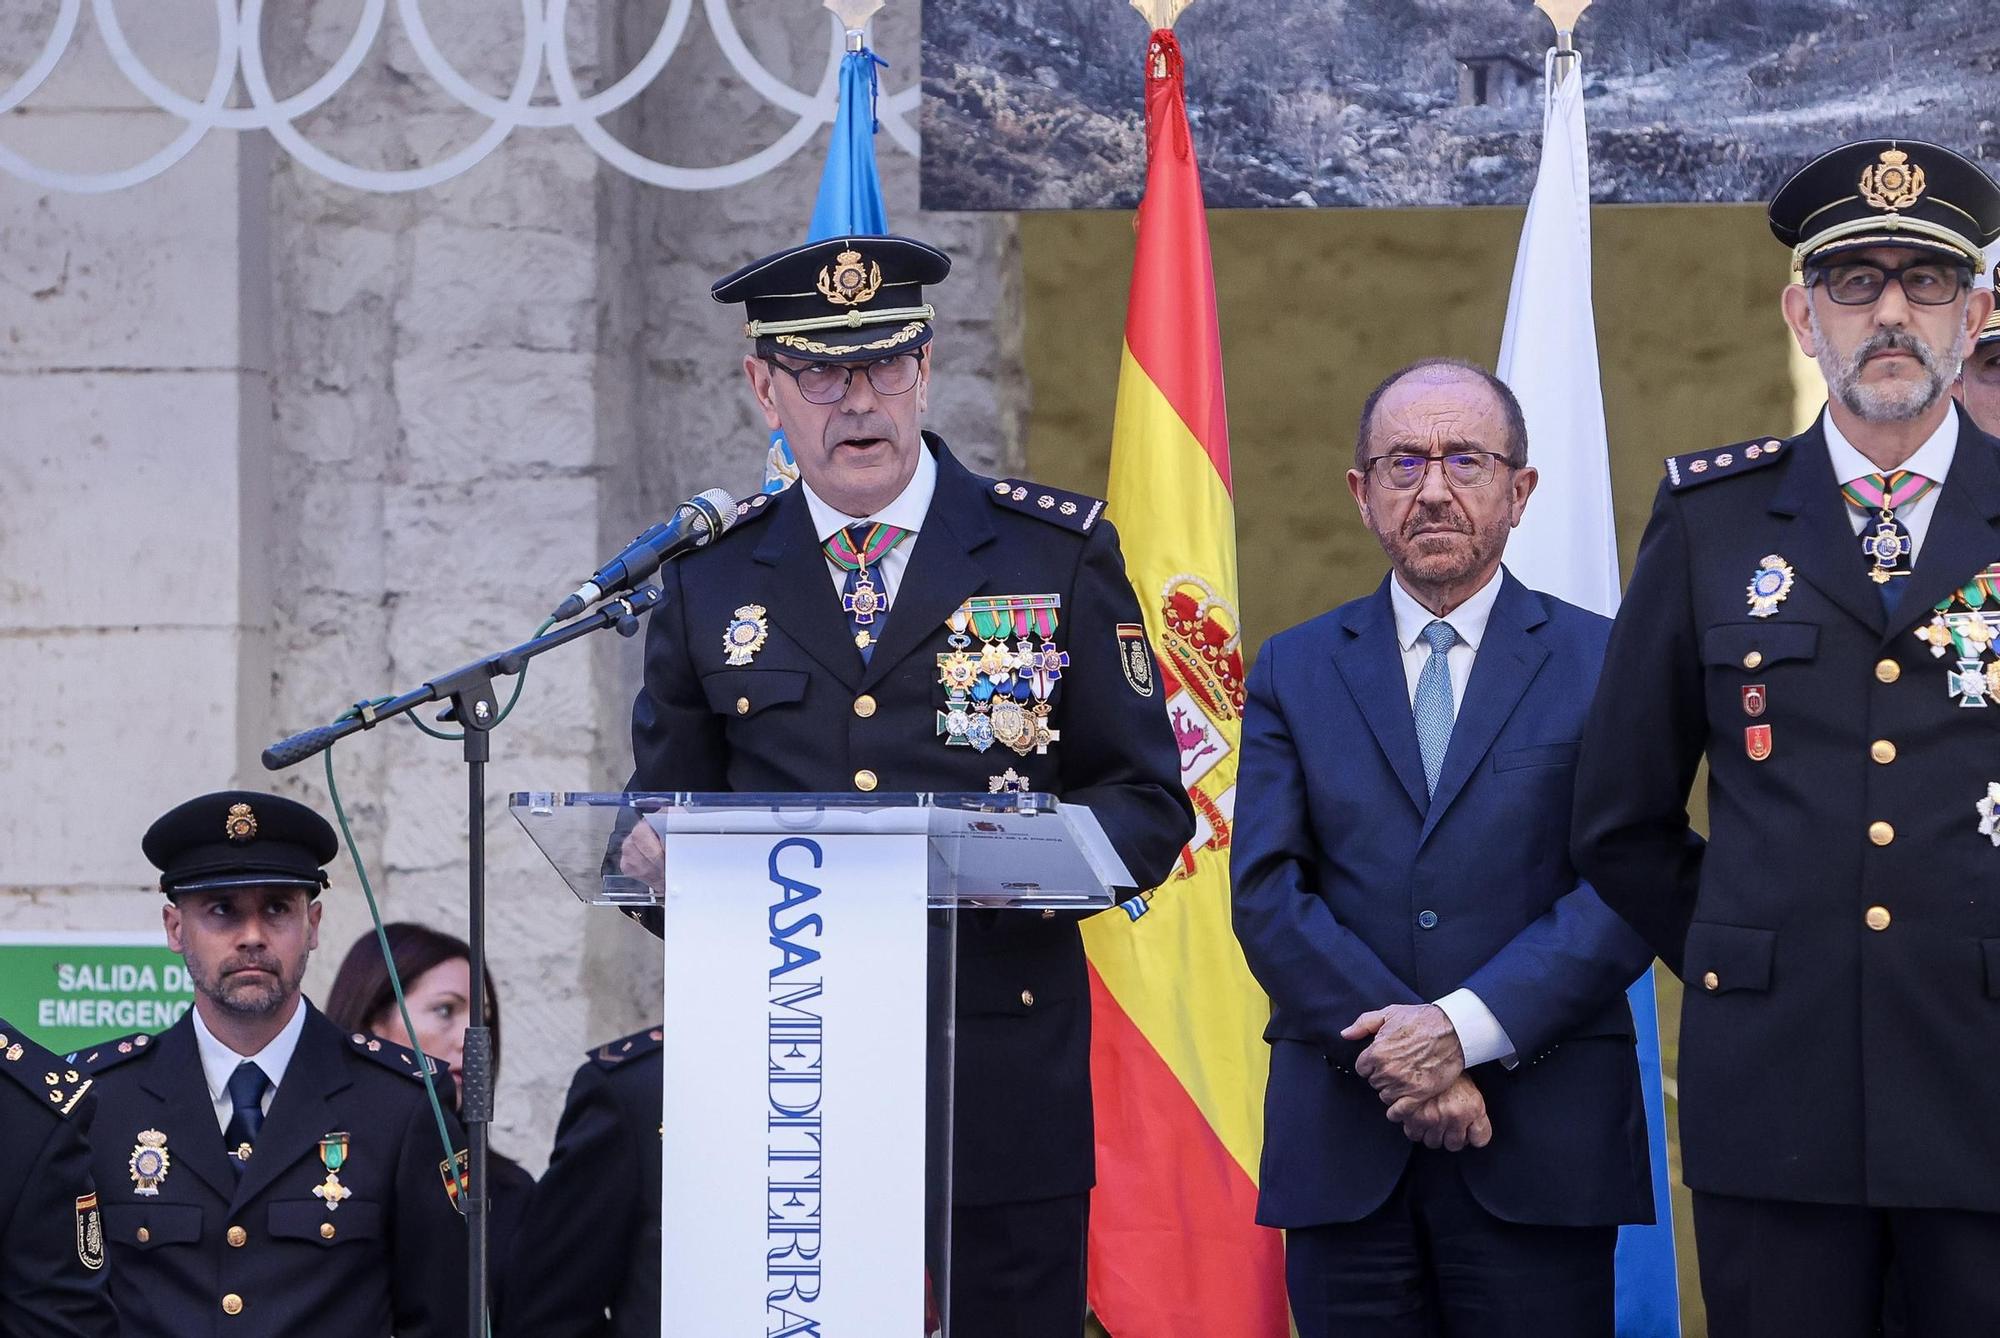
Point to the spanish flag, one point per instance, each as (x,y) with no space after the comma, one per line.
(1177,1056)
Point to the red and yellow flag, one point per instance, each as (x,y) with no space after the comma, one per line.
(1177,1055)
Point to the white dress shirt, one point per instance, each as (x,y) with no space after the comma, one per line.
(906,512)
(1480,1034)
(218,1062)
(1932,460)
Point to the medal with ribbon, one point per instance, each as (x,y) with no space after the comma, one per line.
(1002,692)
(857,550)
(1965,625)
(333,1156)
(1884,541)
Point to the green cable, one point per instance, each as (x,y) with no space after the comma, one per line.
(382,934)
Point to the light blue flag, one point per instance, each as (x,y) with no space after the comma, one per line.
(850,198)
(1566,545)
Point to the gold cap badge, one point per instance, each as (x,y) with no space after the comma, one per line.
(849,282)
(1893,183)
(240,824)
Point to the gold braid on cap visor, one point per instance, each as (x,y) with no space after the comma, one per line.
(850,320)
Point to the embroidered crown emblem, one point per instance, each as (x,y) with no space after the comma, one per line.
(850,281)
(1201,635)
(239,824)
(1893,183)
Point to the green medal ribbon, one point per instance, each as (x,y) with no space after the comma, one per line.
(333,1152)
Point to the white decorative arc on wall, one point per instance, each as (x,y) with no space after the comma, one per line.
(544,46)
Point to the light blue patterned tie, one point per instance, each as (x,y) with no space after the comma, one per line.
(1435,712)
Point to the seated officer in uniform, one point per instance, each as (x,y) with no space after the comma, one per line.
(1815,615)
(897,622)
(52,1277)
(263,1172)
(1978,387)
(594,1217)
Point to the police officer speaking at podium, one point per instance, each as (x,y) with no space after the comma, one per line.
(896,622)
(1818,615)
(262,1172)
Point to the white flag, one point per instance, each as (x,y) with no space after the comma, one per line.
(1566,545)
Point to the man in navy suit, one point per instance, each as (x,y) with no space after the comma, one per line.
(1453,1127)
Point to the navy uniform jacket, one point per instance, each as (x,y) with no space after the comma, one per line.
(806,715)
(594,1217)
(1355,889)
(1840,934)
(389,1259)
(52,1276)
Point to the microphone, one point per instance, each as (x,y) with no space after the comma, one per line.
(694,524)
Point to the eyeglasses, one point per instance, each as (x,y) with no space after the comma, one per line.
(1462,469)
(1859,283)
(827,382)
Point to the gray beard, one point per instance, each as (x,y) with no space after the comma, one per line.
(1878,404)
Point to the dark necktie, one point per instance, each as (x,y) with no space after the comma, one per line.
(1886,545)
(246,1103)
(858,550)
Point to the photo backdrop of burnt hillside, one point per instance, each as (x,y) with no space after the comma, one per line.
(1038,104)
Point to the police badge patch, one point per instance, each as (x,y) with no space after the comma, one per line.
(1135,657)
(89,1233)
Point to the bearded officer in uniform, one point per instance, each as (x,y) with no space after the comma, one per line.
(263,1173)
(896,622)
(1817,615)
(52,1278)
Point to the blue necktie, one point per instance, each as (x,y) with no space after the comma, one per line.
(246,1102)
(1432,704)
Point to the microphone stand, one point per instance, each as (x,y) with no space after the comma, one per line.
(473,706)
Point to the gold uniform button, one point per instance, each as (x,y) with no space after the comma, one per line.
(743,706)
(1877,918)
(1888,671)
(1881,833)
(238,1236)
(1753,659)
(1882,751)
(144,1235)
(864,779)
(1710,981)
(326,1231)
(864,706)
(1027,998)
(232,1304)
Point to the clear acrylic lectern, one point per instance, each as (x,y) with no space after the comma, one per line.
(810,944)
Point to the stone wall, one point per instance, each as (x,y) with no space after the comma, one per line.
(273,445)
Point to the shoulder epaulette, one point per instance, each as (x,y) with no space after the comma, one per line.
(1697,467)
(95,1059)
(396,1058)
(753,508)
(613,1053)
(1070,510)
(54,1082)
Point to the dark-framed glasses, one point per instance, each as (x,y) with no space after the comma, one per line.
(1462,469)
(827,382)
(1857,283)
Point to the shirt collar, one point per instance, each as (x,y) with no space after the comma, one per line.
(906,512)
(1932,460)
(1468,619)
(218,1061)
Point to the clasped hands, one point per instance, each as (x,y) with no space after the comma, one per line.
(1415,1064)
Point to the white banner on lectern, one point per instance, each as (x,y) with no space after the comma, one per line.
(793,1142)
